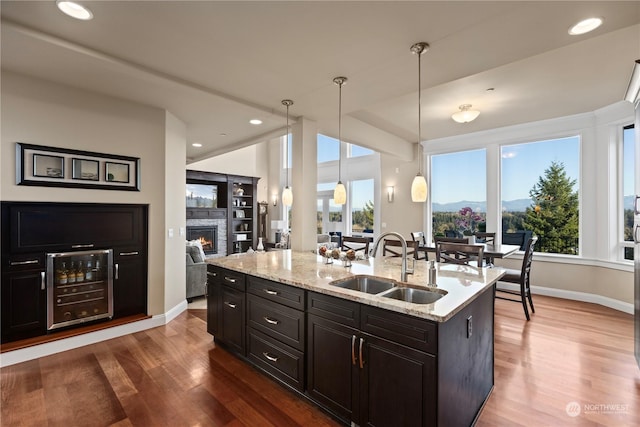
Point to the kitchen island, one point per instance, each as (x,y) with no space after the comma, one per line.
(364,358)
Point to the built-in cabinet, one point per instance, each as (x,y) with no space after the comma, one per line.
(362,364)
(31,230)
(236,203)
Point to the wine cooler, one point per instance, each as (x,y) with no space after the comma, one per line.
(79,287)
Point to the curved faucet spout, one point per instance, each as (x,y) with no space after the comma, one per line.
(405,269)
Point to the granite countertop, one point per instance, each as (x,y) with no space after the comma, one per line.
(307,270)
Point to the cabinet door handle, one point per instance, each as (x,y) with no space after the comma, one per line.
(270,292)
(353,349)
(31,261)
(635,234)
(90,245)
(117,271)
(42,281)
(229,279)
(229,304)
(129,253)
(361,358)
(269,357)
(272,321)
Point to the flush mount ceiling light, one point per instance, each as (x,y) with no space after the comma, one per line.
(196,144)
(74,10)
(585,26)
(419,184)
(255,121)
(465,115)
(340,192)
(633,90)
(287,194)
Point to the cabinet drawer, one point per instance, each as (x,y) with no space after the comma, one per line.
(233,279)
(283,294)
(407,330)
(22,262)
(279,360)
(214,275)
(276,320)
(336,309)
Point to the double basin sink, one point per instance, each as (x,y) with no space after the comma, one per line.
(388,288)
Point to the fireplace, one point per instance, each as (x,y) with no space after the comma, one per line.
(208,236)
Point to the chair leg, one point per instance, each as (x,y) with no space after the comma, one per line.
(523,297)
(533,310)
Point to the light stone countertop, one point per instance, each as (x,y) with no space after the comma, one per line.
(307,270)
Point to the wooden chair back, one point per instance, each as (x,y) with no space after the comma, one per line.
(438,239)
(393,248)
(459,253)
(357,244)
(418,236)
(489,238)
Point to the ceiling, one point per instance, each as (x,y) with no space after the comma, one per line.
(215,65)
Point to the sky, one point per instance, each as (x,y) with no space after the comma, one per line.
(455,176)
(628,161)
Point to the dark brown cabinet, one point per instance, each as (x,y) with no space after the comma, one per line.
(30,230)
(360,377)
(24,306)
(228,297)
(214,300)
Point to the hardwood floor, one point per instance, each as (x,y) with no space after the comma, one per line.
(175,375)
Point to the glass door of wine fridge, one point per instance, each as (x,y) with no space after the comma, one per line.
(79,287)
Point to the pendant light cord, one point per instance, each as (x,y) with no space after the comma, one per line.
(340,133)
(419,116)
(288,165)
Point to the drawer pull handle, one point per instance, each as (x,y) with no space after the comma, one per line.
(128,253)
(117,272)
(229,279)
(42,282)
(230,305)
(269,357)
(272,321)
(361,358)
(90,245)
(270,292)
(353,350)
(31,261)
(212,274)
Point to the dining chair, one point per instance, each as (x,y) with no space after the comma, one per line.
(357,244)
(520,277)
(489,238)
(418,236)
(438,239)
(393,248)
(459,253)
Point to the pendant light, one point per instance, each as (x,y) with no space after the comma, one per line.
(287,194)
(419,184)
(340,193)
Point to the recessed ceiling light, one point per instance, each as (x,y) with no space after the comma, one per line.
(74,10)
(585,26)
(223,134)
(255,121)
(196,144)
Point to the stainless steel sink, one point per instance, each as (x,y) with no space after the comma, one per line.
(416,296)
(367,284)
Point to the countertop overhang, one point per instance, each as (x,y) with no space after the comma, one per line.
(308,271)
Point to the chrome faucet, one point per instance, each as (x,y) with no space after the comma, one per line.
(405,269)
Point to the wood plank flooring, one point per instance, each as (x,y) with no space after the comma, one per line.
(175,375)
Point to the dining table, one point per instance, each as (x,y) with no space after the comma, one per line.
(491,250)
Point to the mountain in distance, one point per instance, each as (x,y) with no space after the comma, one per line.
(518,205)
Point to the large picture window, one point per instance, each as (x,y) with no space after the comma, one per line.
(628,170)
(362,209)
(459,193)
(540,192)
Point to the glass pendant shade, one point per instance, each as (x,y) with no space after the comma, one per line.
(340,194)
(287,196)
(419,189)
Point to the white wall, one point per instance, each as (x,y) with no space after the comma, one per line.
(39,112)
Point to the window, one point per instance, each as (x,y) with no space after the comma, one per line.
(362,207)
(354,150)
(539,191)
(459,193)
(628,169)
(328,149)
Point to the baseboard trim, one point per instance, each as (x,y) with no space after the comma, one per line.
(46,349)
(576,296)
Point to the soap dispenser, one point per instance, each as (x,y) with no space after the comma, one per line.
(432,274)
